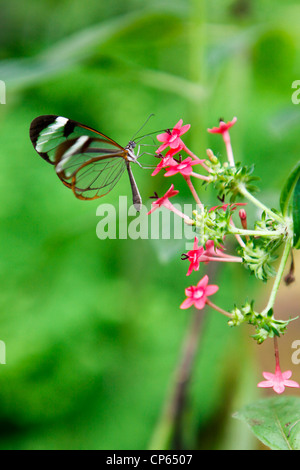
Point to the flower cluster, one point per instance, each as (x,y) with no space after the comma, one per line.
(256,248)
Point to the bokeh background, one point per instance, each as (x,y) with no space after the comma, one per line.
(92,328)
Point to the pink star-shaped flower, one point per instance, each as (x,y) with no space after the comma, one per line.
(199,254)
(278,381)
(223,127)
(172,138)
(194,257)
(184,167)
(164,200)
(164,163)
(197,295)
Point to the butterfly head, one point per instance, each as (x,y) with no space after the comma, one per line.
(130,151)
(131,145)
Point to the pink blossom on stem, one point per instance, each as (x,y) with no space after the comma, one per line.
(223,127)
(279,380)
(197,295)
(210,253)
(213,253)
(194,257)
(172,138)
(184,167)
(224,130)
(164,200)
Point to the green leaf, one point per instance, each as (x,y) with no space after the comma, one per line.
(288,188)
(296,215)
(274,421)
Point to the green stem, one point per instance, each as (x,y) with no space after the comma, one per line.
(279,275)
(244,192)
(219,309)
(256,233)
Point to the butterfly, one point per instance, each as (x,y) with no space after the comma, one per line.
(85,160)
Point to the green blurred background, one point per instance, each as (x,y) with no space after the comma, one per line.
(93,329)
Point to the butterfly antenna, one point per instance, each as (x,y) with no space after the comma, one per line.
(150,115)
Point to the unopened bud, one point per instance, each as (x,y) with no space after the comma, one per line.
(211,156)
(243,217)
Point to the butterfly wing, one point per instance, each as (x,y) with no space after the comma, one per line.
(49,131)
(88,169)
(87,161)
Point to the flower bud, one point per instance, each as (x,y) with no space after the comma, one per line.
(211,156)
(243,217)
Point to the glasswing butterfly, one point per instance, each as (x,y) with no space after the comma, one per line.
(85,160)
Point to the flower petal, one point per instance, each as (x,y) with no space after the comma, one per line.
(211,289)
(265,384)
(196,241)
(176,143)
(287,374)
(200,304)
(179,124)
(163,137)
(189,291)
(279,388)
(171,172)
(203,282)
(291,383)
(187,303)
(184,129)
(162,148)
(269,376)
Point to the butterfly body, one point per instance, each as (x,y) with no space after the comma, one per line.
(85,160)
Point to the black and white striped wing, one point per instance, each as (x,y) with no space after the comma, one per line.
(49,131)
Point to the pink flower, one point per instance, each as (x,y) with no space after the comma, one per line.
(184,167)
(223,127)
(197,295)
(224,130)
(164,200)
(172,152)
(279,380)
(233,206)
(194,257)
(172,139)
(211,250)
(199,255)
(164,163)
